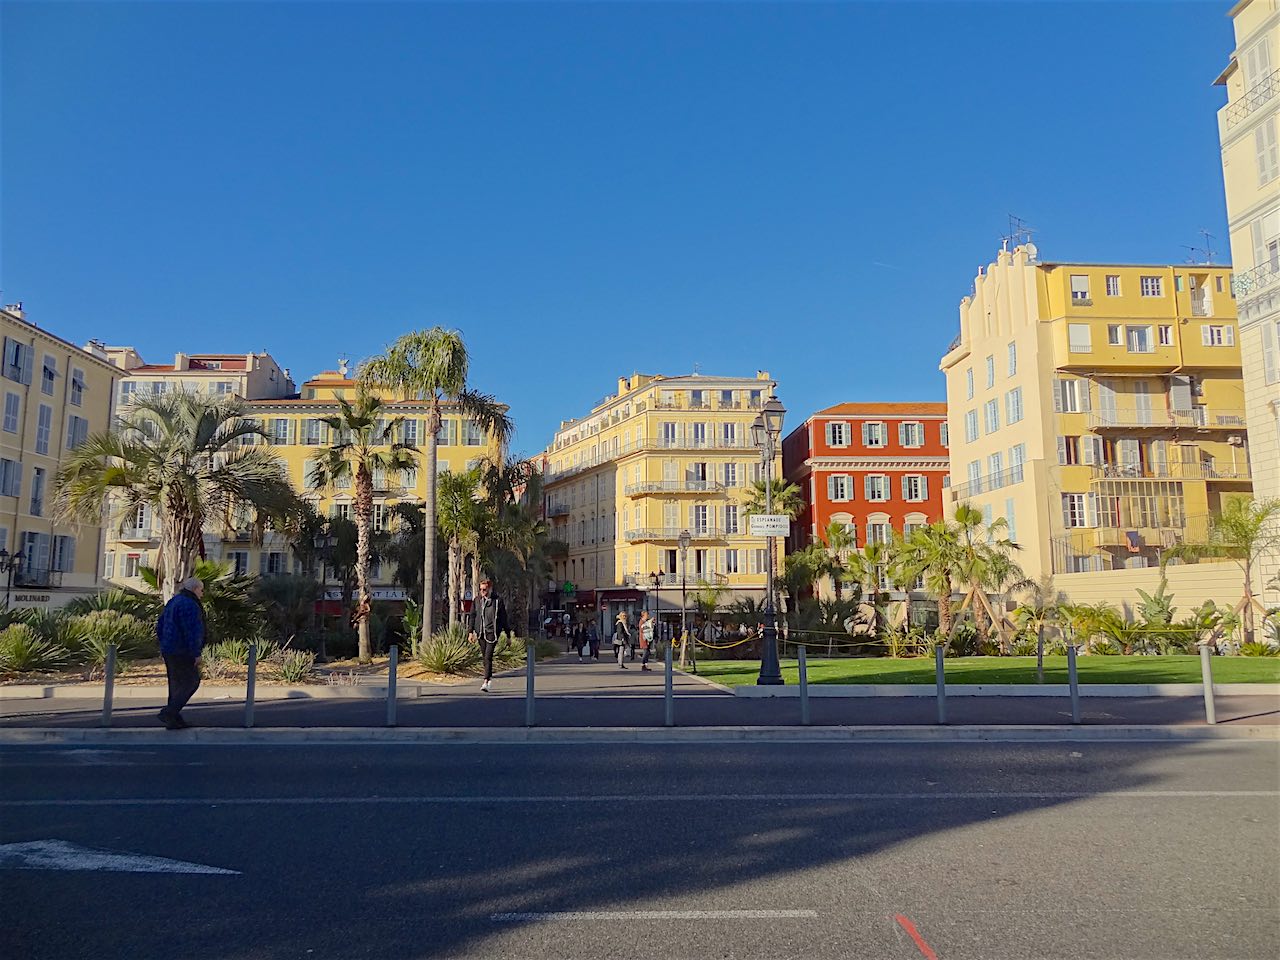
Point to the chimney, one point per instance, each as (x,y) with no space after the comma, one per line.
(181,362)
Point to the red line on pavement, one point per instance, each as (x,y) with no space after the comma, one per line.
(907,925)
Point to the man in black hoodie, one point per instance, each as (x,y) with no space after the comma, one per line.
(488,622)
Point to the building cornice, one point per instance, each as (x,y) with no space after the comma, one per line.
(76,351)
(878,463)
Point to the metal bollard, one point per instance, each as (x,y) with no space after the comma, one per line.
(804,686)
(392,666)
(668,694)
(108,684)
(528,685)
(1206,677)
(940,681)
(1073,682)
(251,685)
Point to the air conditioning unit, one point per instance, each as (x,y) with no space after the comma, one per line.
(1235,440)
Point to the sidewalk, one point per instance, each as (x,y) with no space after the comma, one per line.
(599,695)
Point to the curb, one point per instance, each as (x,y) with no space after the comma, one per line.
(230,736)
(1012,690)
(405,690)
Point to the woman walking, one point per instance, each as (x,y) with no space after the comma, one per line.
(645,630)
(593,640)
(621,639)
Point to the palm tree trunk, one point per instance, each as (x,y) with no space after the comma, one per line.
(455,575)
(429,520)
(475,575)
(364,522)
(1246,621)
(944,613)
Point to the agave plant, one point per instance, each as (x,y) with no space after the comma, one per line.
(22,649)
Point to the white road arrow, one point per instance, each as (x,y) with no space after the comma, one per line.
(61,855)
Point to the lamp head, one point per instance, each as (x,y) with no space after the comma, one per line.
(684,539)
(757,431)
(773,413)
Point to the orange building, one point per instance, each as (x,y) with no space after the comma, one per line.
(874,467)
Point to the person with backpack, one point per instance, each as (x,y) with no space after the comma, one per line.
(621,638)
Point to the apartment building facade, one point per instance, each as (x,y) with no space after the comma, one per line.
(875,468)
(55,395)
(1098,408)
(660,456)
(1247,129)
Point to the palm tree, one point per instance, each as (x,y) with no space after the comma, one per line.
(867,568)
(1038,612)
(984,560)
(363,448)
(191,459)
(457,510)
(938,554)
(840,541)
(432,365)
(1245,531)
(786,498)
(904,569)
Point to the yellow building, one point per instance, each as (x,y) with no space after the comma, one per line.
(295,430)
(55,395)
(660,456)
(1247,128)
(1100,410)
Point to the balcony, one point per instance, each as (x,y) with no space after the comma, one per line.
(674,486)
(673,533)
(37,577)
(558,510)
(1253,98)
(1197,418)
(997,481)
(1171,471)
(133,533)
(643,580)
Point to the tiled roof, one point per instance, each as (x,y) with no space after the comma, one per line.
(884,410)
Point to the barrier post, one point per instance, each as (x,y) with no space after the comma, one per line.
(529,649)
(1206,677)
(940,681)
(668,694)
(1073,681)
(392,667)
(804,685)
(108,684)
(251,682)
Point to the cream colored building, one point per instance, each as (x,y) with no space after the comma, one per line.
(55,395)
(1099,409)
(1248,127)
(659,456)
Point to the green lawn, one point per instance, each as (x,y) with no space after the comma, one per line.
(1096,669)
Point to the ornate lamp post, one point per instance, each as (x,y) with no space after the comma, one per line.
(765,432)
(10,564)
(656,580)
(324,542)
(683,540)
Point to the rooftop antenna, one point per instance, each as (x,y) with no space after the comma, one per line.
(1018,235)
(697,368)
(342,366)
(1203,254)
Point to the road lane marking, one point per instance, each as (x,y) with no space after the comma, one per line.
(61,855)
(657,915)
(667,798)
(907,925)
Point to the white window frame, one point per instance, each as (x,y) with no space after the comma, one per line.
(971,426)
(1080,289)
(1164,335)
(1143,331)
(12,412)
(1013,406)
(1079,338)
(991,416)
(911,433)
(838,433)
(1217,335)
(1013,359)
(876,487)
(839,487)
(1113,285)
(968,382)
(991,371)
(1151,286)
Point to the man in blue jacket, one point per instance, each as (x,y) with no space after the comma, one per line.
(180,631)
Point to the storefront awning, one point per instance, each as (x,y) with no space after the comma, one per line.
(620,596)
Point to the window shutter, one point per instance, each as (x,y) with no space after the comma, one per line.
(1229,333)
(262,562)
(866,488)
(1269,353)
(1091,510)
(906,494)
(831,488)
(924,487)
(1057,396)
(1066,510)
(1206,338)
(27,356)
(1083,388)
(831,439)
(1062,451)
(902,434)
(1087,450)
(1159,454)
(866,434)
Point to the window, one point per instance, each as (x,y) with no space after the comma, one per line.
(223,387)
(731,561)
(108,564)
(37,491)
(991,372)
(1177,282)
(915,488)
(1166,335)
(971,426)
(1138,339)
(838,434)
(839,488)
(128,389)
(726,399)
(1271,354)
(1217,283)
(1011,528)
(946,434)
(239,562)
(877,487)
(48,374)
(698,400)
(279,431)
(271,563)
(1217,335)
(17,361)
(991,415)
(1068,451)
(1017,457)
(1151,286)
(975,475)
(1078,510)
(44,428)
(1013,405)
(730,474)
(669,432)
(995,469)
(1080,290)
(731,518)
(132,561)
(315,433)
(472,435)
(1079,338)
(1013,359)
(874,435)
(1264,143)
(77,387)
(729,434)
(77,431)
(911,434)
(12,404)
(10,478)
(878,532)
(1113,285)
(968,383)
(409,432)
(1115,335)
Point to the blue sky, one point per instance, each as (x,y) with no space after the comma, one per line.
(590,189)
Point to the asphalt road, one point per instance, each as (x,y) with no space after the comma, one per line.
(987,851)
(570,694)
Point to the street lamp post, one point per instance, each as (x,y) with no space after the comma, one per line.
(683,541)
(765,433)
(9,564)
(656,580)
(324,543)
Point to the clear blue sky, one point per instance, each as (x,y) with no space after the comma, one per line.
(587,190)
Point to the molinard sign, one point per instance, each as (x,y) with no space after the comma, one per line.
(378,593)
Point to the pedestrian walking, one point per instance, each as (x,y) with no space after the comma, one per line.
(621,638)
(180,631)
(593,640)
(488,621)
(645,630)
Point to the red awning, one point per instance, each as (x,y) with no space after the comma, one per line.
(585,598)
(617,596)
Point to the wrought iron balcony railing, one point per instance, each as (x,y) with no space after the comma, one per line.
(674,486)
(1253,98)
(1004,478)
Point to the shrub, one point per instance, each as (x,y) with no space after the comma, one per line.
(295,666)
(1254,649)
(230,651)
(57,628)
(212,668)
(22,649)
(1104,646)
(449,651)
(132,637)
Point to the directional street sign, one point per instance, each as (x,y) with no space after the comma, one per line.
(770,525)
